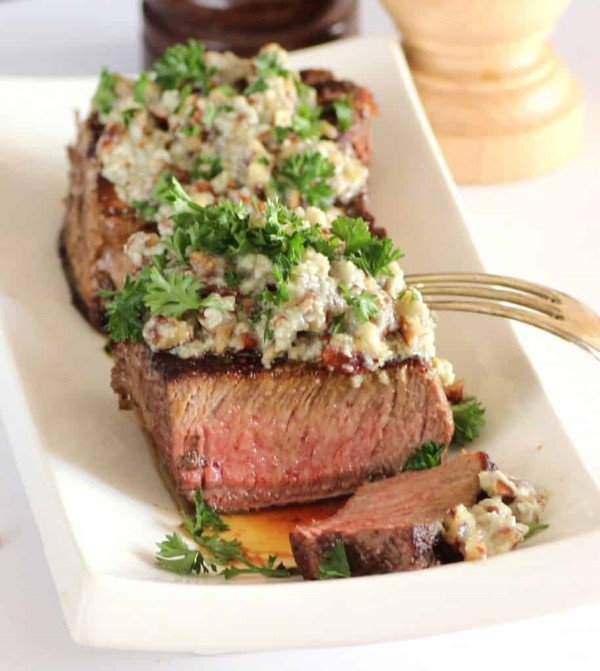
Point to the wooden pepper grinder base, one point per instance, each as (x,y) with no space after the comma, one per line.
(503,106)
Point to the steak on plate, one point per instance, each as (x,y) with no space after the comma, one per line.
(251,437)
(393,524)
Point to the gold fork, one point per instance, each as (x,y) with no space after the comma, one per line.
(508,297)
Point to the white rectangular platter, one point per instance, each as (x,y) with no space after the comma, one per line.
(91,480)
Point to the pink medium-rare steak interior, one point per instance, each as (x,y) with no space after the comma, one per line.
(251,437)
(393,524)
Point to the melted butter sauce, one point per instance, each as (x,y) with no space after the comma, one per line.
(266,532)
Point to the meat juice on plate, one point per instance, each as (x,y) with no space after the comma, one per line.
(267,532)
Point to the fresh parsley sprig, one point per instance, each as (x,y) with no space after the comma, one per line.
(228,229)
(184,64)
(469,417)
(125,310)
(128,114)
(335,563)
(307,172)
(307,121)
(171,293)
(427,456)
(105,95)
(363,305)
(267,66)
(214,551)
(344,111)
(139,88)
(154,291)
(371,254)
(206,167)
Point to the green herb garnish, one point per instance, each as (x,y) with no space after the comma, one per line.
(363,305)
(139,88)
(128,114)
(267,66)
(175,555)
(469,417)
(307,120)
(344,111)
(335,563)
(125,310)
(207,167)
(371,254)
(105,95)
(204,526)
(308,172)
(427,456)
(336,323)
(183,64)
(171,293)
(226,230)
(145,209)
(534,529)
(232,278)
(154,291)
(191,130)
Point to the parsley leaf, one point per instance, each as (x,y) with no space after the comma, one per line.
(307,120)
(469,417)
(344,111)
(204,517)
(267,66)
(228,229)
(336,323)
(191,130)
(308,172)
(232,278)
(145,209)
(171,293)
(427,456)
(207,167)
(128,114)
(105,95)
(363,305)
(125,309)
(176,556)
(139,88)
(335,563)
(534,529)
(270,569)
(371,254)
(183,64)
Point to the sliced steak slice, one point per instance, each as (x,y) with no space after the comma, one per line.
(249,437)
(394,524)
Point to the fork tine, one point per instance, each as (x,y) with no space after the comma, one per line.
(538,320)
(492,293)
(485,279)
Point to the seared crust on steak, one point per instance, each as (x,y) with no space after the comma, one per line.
(395,524)
(97,223)
(251,437)
(329,90)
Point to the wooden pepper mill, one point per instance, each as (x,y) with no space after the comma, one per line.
(502,104)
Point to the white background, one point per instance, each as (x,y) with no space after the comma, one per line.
(546,230)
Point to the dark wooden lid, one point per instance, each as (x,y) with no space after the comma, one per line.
(243,26)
